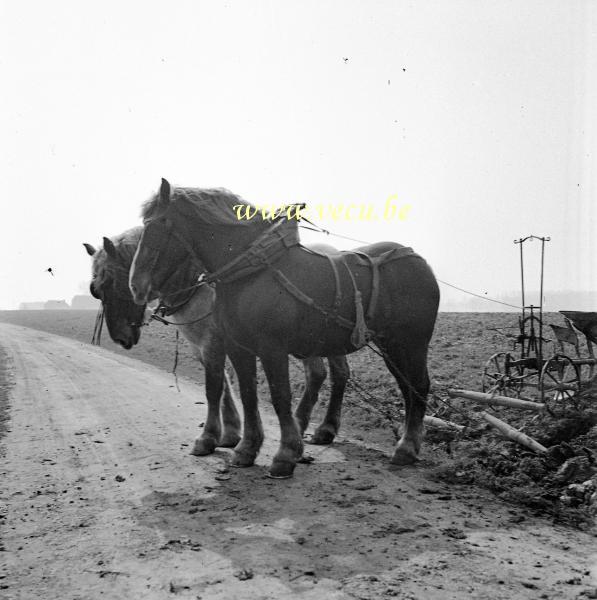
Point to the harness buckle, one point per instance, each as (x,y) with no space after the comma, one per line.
(157,317)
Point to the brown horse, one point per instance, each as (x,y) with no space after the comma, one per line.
(191,311)
(275,297)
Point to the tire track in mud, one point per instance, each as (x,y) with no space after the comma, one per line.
(105,501)
(6,382)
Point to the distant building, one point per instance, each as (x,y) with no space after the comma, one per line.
(31,306)
(84,302)
(56,305)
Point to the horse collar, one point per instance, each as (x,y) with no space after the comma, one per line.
(261,253)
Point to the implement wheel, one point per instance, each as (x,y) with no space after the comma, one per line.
(501,379)
(559,385)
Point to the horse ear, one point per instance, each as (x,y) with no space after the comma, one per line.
(90,249)
(164,193)
(109,248)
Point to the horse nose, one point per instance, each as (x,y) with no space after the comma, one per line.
(126,344)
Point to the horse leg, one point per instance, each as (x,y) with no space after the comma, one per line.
(275,365)
(315,375)
(330,425)
(213,358)
(244,364)
(410,370)
(230,417)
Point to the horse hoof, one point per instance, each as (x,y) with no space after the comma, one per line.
(241,460)
(271,476)
(281,469)
(402,457)
(203,446)
(322,437)
(230,440)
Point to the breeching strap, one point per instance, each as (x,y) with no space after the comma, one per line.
(374,265)
(360,334)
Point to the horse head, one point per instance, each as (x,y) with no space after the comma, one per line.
(197,225)
(109,283)
(151,275)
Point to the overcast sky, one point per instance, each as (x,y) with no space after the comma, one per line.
(478,115)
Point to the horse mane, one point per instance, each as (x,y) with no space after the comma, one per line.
(210,206)
(126,242)
(126,245)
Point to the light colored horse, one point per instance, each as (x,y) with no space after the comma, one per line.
(191,312)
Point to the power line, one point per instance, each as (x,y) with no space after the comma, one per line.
(326,232)
(478,295)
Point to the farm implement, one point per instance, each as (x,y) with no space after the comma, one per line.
(540,373)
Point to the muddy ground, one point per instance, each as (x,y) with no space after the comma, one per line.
(462,343)
(104,500)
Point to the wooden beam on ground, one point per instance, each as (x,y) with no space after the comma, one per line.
(441,424)
(489,399)
(513,434)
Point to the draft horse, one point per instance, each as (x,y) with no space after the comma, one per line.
(276,297)
(192,311)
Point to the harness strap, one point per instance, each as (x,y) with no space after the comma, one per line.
(375,263)
(164,310)
(338,290)
(374,289)
(261,253)
(374,266)
(360,334)
(170,309)
(156,316)
(188,247)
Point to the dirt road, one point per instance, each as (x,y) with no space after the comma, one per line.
(104,501)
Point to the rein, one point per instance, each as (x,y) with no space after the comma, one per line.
(156,316)
(96,340)
(163,310)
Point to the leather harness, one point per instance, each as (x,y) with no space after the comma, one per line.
(360,333)
(270,246)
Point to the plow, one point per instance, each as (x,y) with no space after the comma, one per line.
(538,373)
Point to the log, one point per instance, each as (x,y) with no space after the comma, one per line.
(513,434)
(437,422)
(483,398)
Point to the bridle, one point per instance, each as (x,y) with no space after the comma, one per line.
(254,256)
(164,308)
